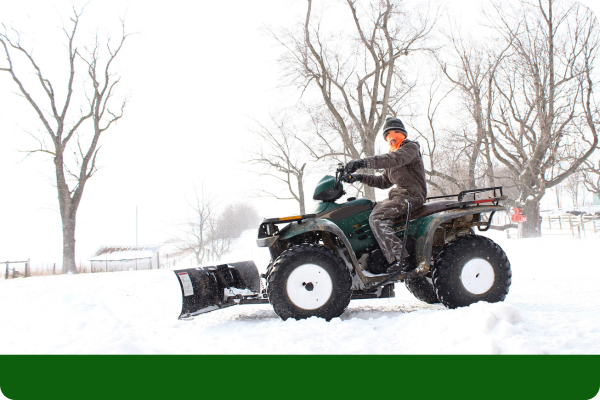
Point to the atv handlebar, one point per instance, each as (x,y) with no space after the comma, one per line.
(340,174)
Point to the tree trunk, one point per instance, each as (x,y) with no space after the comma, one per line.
(531,227)
(369,151)
(300,179)
(369,191)
(97,95)
(68,228)
(68,214)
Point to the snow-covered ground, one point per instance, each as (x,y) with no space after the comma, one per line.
(553,307)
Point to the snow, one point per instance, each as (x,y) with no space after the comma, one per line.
(552,308)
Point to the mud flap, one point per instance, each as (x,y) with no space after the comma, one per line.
(206,289)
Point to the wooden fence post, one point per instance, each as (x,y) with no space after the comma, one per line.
(27,267)
(6,276)
(571,226)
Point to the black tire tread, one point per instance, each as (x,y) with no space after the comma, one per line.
(422,290)
(453,251)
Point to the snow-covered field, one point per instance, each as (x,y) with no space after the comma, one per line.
(553,308)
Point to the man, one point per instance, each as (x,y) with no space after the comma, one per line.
(403,166)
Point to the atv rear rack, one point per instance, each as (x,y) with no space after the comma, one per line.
(462,195)
(498,195)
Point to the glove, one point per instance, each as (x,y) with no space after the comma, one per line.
(354,165)
(353,178)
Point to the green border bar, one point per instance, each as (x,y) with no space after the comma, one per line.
(281,377)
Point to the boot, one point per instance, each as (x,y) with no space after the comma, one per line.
(399,265)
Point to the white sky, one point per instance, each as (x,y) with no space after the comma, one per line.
(197,73)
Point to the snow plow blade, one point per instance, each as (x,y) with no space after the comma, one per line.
(206,289)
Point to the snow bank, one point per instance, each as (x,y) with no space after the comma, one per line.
(553,307)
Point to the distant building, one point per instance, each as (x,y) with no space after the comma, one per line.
(130,258)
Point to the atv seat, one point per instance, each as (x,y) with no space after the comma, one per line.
(428,209)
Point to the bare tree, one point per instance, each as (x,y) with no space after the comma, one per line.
(359,82)
(219,238)
(442,160)
(74,129)
(591,177)
(588,81)
(209,233)
(454,155)
(229,225)
(573,185)
(470,68)
(280,156)
(238,217)
(194,233)
(541,118)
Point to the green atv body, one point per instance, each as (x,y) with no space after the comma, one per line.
(321,261)
(343,228)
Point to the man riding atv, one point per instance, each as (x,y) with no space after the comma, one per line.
(321,261)
(403,166)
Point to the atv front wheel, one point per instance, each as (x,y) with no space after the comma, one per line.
(469,269)
(309,280)
(422,288)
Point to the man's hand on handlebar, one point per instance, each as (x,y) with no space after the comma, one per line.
(354,165)
(353,178)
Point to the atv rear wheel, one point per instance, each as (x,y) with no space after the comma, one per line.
(469,269)
(422,288)
(309,280)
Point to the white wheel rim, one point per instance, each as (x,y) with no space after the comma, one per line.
(309,286)
(477,276)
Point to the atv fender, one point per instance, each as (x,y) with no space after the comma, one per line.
(423,229)
(318,224)
(321,224)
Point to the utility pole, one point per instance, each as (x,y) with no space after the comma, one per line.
(136,236)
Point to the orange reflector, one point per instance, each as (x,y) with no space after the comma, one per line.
(288,218)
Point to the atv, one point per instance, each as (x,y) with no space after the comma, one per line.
(321,261)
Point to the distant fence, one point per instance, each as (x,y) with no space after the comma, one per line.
(24,269)
(581,226)
(577,226)
(123,265)
(12,272)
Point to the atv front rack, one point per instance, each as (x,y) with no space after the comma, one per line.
(268,230)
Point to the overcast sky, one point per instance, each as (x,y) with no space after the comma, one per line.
(196,73)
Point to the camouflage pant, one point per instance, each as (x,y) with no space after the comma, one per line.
(382,219)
